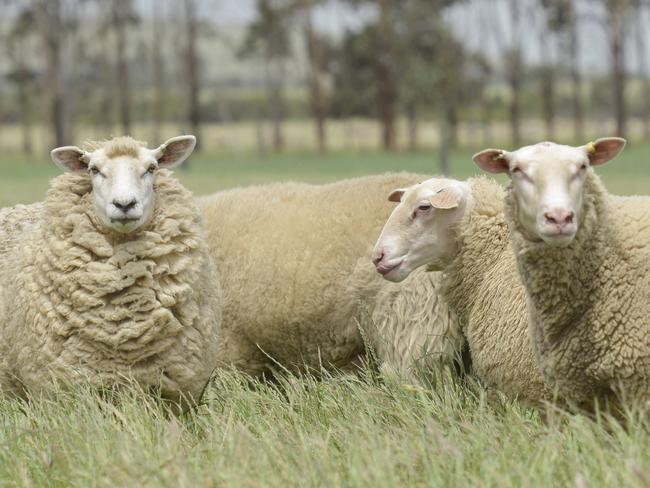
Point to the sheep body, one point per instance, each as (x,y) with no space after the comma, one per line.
(298,281)
(589,303)
(482,287)
(80,301)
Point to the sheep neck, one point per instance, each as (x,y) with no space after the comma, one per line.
(482,237)
(562,284)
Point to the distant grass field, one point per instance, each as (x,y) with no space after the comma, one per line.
(340,432)
(24,179)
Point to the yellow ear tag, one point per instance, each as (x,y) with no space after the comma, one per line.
(591,149)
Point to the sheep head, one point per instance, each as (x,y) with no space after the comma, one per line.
(123,172)
(420,229)
(548,182)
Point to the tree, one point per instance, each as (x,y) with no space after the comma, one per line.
(48,16)
(314,48)
(192,67)
(22,75)
(267,38)
(616,14)
(122,15)
(642,56)
(158,69)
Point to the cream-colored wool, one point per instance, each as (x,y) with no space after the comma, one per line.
(482,287)
(295,265)
(589,303)
(14,223)
(82,302)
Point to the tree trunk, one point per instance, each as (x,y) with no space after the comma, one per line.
(260,138)
(548,97)
(412,118)
(486,119)
(443,147)
(576,82)
(514,75)
(121,9)
(452,123)
(48,16)
(387,89)
(616,40)
(24,98)
(193,114)
(158,73)
(316,99)
(642,54)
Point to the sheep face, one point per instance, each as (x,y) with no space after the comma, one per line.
(421,228)
(548,182)
(123,173)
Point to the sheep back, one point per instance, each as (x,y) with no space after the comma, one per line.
(290,254)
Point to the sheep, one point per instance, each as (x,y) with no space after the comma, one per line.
(584,258)
(113,281)
(298,283)
(459,227)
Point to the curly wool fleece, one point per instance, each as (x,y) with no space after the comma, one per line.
(589,303)
(483,288)
(83,302)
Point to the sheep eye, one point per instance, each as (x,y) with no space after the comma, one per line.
(151,168)
(516,170)
(420,209)
(583,167)
(93,170)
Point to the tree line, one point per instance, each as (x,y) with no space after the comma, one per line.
(113,62)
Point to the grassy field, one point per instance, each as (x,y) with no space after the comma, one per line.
(339,432)
(342,431)
(24,179)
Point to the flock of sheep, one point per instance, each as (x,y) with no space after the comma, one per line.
(121,275)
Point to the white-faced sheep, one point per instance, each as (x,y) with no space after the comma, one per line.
(297,280)
(584,258)
(460,228)
(114,280)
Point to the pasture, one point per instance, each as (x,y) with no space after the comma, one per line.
(341,431)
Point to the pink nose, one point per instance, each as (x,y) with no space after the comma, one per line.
(377,256)
(559,217)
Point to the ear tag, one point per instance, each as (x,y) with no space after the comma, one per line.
(591,149)
(497,156)
(84,158)
(163,149)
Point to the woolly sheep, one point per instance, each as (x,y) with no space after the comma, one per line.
(460,228)
(584,258)
(297,281)
(113,280)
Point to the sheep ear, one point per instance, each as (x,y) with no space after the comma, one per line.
(70,159)
(446,198)
(174,151)
(604,149)
(396,195)
(493,160)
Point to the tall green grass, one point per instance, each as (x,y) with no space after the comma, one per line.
(340,431)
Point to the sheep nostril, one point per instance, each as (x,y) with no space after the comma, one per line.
(125,207)
(550,219)
(376,259)
(559,217)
